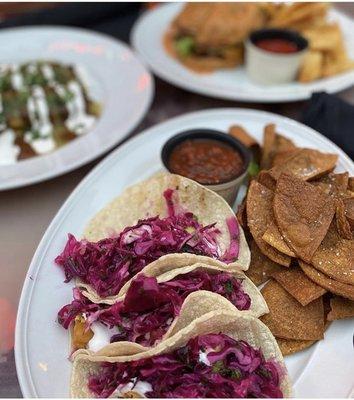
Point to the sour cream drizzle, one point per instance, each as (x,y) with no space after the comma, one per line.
(8,150)
(140,387)
(101,336)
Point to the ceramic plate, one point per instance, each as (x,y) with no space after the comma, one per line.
(117,79)
(227,84)
(42,346)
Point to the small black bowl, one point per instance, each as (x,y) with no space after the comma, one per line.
(228,190)
(287,34)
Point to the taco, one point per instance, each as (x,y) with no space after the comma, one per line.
(220,354)
(155,307)
(163,215)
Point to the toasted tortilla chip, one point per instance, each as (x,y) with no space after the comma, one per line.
(273,237)
(259,213)
(273,143)
(281,157)
(343,225)
(295,282)
(335,257)
(349,211)
(236,325)
(306,164)
(261,267)
(303,214)
(288,319)
(311,67)
(333,184)
(324,38)
(290,346)
(333,286)
(340,308)
(238,132)
(241,214)
(266,180)
(351,183)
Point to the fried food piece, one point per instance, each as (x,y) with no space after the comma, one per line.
(80,334)
(273,237)
(349,211)
(238,132)
(261,267)
(296,283)
(324,38)
(288,319)
(303,214)
(335,257)
(340,308)
(333,286)
(259,214)
(273,143)
(290,346)
(306,164)
(343,225)
(311,67)
(265,179)
(192,17)
(335,185)
(336,61)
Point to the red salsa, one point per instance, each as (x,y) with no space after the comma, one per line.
(277,45)
(206,161)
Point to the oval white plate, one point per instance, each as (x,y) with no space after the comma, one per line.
(42,346)
(118,80)
(226,84)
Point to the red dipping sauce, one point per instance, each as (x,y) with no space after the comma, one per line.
(277,45)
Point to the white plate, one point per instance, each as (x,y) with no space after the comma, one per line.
(118,80)
(325,370)
(226,84)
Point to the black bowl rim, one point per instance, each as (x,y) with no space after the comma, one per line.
(206,133)
(289,34)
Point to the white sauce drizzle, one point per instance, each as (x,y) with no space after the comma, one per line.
(16,78)
(78,121)
(48,72)
(9,151)
(140,387)
(203,358)
(101,336)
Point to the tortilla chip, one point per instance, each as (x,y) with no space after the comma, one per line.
(290,346)
(273,143)
(241,214)
(273,237)
(349,211)
(266,180)
(296,283)
(351,183)
(281,157)
(303,214)
(340,308)
(306,164)
(238,132)
(324,38)
(333,286)
(335,257)
(333,184)
(311,67)
(259,214)
(343,225)
(288,319)
(261,267)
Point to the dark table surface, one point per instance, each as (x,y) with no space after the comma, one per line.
(25,213)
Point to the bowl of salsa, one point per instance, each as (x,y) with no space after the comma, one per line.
(279,52)
(209,157)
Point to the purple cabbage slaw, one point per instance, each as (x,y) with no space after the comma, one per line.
(149,307)
(109,263)
(233,369)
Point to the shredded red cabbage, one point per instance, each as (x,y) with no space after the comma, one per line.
(150,307)
(109,263)
(229,369)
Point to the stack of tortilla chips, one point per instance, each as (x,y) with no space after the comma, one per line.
(299,217)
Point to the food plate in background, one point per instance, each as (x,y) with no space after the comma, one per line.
(230,84)
(44,369)
(117,80)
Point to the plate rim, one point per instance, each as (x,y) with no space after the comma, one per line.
(146,105)
(21,350)
(196,87)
